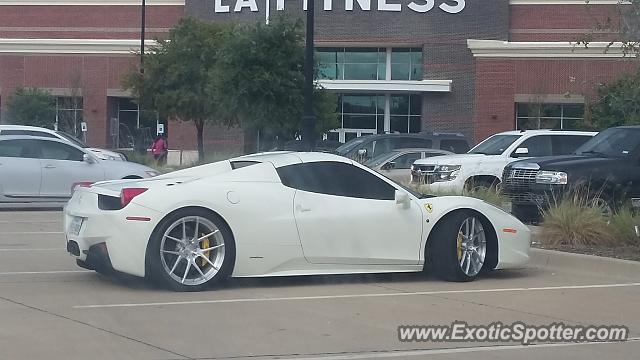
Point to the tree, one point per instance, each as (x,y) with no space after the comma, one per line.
(32,106)
(624,22)
(175,78)
(617,103)
(258,80)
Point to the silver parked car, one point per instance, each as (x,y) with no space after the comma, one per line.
(396,164)
(39,171)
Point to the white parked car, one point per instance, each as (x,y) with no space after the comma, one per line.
(279,214)
(396,164)
(23,130)
(42,171)
(482,166)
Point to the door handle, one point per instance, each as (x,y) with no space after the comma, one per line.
(49,167)
(302,208)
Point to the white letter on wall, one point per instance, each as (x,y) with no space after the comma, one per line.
(383,6)
(364,5)
(328,4)
(453,9)
(219,8)
(422,8)
(280,5)
(246,3)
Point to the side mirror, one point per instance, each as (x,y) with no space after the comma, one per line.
(88,159)
(402,199)
(523,151)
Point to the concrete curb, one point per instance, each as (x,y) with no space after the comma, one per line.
(584,264)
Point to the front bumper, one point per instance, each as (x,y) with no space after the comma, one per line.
(107,237)
(452,187)
(538,195)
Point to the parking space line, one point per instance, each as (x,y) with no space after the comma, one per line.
(459,350)
(31,232)
(27,250)
(374,295)
(43,272)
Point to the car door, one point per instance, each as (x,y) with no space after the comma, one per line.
(62,166)
(20,171)
(399,168)
(347,215)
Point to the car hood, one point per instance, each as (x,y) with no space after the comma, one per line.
(567,162)
(106,154)
(457,159)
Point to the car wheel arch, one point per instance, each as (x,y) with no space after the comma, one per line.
(490,180)
(188,208)
(492,238)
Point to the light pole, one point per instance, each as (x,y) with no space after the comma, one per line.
(142,34)
(308,117)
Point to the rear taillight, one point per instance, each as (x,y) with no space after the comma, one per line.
(127,194)
(85,184)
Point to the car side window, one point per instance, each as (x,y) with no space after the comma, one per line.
(382,146)
(18,149)
(336,178)
(455,146)
(414,142)
(57,151)
(567,144)
(405,161)
(538,145)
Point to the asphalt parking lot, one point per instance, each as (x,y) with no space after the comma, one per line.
(51,309)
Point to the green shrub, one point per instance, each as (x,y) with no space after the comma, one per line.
(623,224)
(572,221)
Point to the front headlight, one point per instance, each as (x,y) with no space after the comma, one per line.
(447,172)
(551,177)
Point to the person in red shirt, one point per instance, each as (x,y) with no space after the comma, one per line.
(159,150)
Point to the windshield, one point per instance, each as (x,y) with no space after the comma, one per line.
(72,139)
(378,160)
(616,142)
(349,145)
(494,145)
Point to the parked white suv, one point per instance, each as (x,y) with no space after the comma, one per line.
(23,130)
(483,165)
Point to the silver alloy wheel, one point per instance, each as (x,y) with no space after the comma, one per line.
(192,250)
(472,246)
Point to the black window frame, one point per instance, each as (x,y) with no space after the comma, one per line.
(320,177)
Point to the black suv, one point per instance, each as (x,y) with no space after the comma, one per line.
(368,147)
(606,168)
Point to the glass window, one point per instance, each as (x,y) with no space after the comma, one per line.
(58,151)
(18,148)
(414,142)
(538,145)
(495,145)
(406,64)
(352,63)
(455,146)
(361,112)
(405,161)
(567,144)
(614,142)
(69,114)
(549,116)
(336,178)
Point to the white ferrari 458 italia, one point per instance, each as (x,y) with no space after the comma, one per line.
(280,214)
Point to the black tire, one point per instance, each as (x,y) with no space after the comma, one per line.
(155,269)
(444,248)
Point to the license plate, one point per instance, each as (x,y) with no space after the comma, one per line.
(76,225)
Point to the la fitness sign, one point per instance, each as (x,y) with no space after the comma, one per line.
(419,6)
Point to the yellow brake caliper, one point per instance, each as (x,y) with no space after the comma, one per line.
(204,244)
(459,245)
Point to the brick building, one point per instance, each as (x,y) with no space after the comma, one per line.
(474,66)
